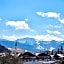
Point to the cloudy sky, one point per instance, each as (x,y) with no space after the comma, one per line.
(41,19)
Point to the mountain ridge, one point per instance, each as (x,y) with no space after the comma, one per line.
(32,45)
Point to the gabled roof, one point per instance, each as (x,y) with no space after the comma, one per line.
(60,55)
(43,54)
(27,54)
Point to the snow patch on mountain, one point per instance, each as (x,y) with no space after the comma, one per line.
(40,47)
(51,48)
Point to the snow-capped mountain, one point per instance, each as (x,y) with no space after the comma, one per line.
(32,44)
(30,41)
(41,45)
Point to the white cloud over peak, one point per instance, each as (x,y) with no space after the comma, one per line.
(11,38)
(47,37)
(49,14)
(38,38)
(18,24)
(49,31)
(57,32)
(14,37)
(54,32)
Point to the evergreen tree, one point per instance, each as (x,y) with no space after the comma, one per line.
(52,52)
(58,52)
(61,48)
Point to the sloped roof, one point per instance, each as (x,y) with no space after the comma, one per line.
(43,54)
(60,55)
(27,54)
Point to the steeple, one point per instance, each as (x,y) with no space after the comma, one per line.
(15,44)
(15,49)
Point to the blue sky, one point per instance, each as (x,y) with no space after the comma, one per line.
(40,19)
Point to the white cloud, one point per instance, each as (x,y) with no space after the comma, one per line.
(26,19)
(39,13)
(55,26)
(18,24)
(38,38)
(11,38)
(57,32)
(61,20)
(49,14)
(14,37)
(0,19)
(54,32)
(51,48)
(47,37)
(49,31)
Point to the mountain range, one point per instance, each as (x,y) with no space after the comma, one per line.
(32,44)
(4,49)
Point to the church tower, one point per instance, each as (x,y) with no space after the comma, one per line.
(15,49)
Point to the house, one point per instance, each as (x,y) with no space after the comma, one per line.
(28,56)
(44,57)
(59,56)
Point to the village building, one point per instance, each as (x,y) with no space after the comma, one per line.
(44,57)
(28,56)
